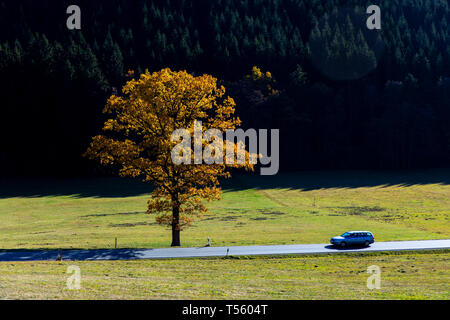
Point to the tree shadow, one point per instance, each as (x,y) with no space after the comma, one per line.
(114,187)
(7,255)
(316,180)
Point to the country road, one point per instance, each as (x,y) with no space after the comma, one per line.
(168,253)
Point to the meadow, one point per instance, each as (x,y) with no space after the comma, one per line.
(420,275)
(284,209)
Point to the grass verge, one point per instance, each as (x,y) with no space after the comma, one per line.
(404,275)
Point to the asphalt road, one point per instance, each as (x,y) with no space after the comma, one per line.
(134,254)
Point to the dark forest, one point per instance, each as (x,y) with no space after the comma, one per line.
(343,96)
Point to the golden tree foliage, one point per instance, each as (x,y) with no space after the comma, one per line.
(264,80)
(137,139)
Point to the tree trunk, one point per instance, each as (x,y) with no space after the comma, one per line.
(176,226)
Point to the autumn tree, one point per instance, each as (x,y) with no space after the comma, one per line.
(138,139)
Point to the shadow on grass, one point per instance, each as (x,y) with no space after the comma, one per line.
(316,180)
(113,187)
(116,187)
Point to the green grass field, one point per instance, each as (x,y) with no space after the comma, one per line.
(285,209)
(423,275)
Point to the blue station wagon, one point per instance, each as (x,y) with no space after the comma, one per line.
(354,238)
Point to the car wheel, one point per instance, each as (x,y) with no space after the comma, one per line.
(367,243)
(343,244)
